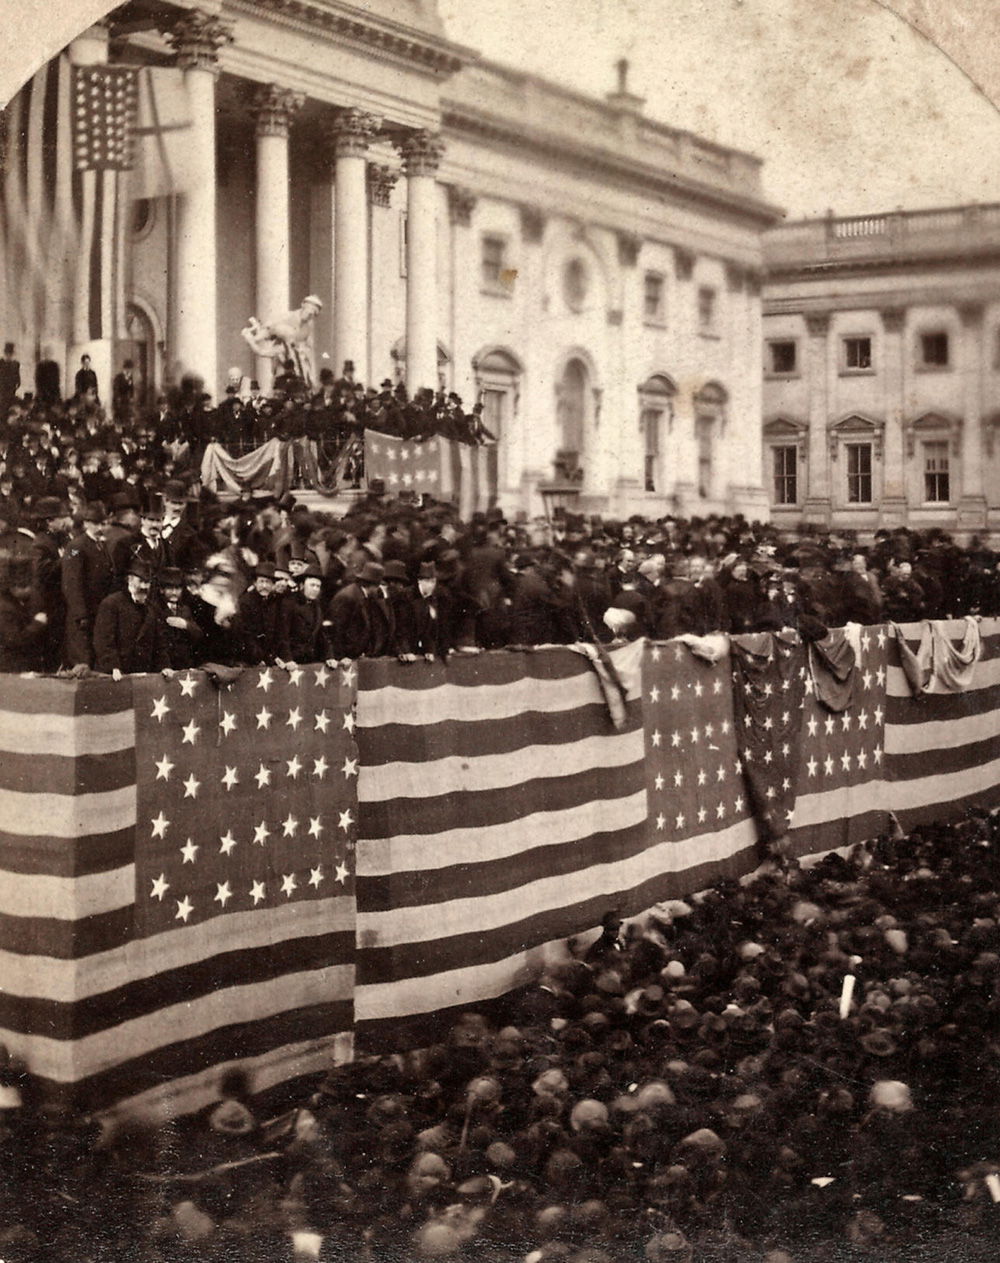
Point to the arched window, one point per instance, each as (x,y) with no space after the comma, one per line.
(656,420)
(709,422)
(497,373)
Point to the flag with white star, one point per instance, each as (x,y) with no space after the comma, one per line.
(105,99)
(694,775)
(247,795)
(447,470)
(769,685)
(841,771)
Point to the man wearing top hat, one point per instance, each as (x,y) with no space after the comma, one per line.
(300,626)
(179,537)
(358,618)
(88,576)
(129,628)
(259,611)
(147,545)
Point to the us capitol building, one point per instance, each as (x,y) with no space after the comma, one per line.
(593,275)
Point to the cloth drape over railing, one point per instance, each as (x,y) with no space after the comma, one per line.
(268,869)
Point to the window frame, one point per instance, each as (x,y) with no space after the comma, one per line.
(859,445)
(708,328)
(847,369)
(783,373)
(657,319)
(925,365)
(487,284)
(791,447)
(944,446)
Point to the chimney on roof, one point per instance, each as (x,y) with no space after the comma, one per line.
(623,101)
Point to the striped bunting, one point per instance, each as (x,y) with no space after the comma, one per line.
(498,811)
(943,749)
(106,1015)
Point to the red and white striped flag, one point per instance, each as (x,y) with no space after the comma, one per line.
(177,880)
(461,472)
(68,146)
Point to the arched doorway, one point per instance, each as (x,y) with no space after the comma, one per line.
(139,346)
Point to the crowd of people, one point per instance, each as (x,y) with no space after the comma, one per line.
(696,1084)
(114,557)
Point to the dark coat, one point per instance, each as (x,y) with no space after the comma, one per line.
(360,626)
(22,636)
(432,622)
(540,614)
(259,618)
(87,578)
(129,637)
(183,643)
(46,567)
(300,631)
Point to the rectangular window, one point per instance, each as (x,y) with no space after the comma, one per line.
(934,350)
(785,458)
(859,473)
(651,418)
(937,485)
(857,353)
(494,262)
(705,429)
(653,298)
(706,308)
(782,357)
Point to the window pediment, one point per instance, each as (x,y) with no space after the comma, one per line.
(856,428)
(933,424)
(782,427)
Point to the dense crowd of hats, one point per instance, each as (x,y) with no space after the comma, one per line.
(699,1087)
(113,557)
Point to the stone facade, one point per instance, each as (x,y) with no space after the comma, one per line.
(594,274)
(882,370)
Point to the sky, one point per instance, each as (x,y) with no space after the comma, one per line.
(848,106)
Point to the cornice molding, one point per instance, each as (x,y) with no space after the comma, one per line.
(420,52)
(460,120)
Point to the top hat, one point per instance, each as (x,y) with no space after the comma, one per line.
(174,489)
(171,577)
(139,567)
(428,570)
(310,572)
(154,506)
(265,570)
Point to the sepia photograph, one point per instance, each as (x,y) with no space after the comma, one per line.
(499,631)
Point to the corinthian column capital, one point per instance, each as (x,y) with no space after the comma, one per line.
(351,131)
(197,37)
(422,152)
(274,107)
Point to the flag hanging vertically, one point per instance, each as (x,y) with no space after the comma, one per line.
(443,468)
(68,145)
(769,681)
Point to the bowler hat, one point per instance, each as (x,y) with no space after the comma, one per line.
(265,570)
(310,572)
(93,512)
(428,570)
(171,577)
(49,507)
(370,572)
(174,489)
(395,570)
(139,567)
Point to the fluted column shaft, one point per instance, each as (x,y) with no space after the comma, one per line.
(422,153)
(351,132)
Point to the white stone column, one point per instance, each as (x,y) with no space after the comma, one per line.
(197,37)
(972,506)
(422,153)
(816,507)
(893,506)
(351,132)
(274,108)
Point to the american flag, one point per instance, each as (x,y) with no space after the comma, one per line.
(500,811)
(105,99)
(438,467)
(769,681)
(699,813)
(63,187)
(177,890)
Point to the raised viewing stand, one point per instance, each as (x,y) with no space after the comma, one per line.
(419,836)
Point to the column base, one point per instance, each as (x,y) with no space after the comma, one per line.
(972,513)
(687,500)
(817,510)
(893,511)
(752,502)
